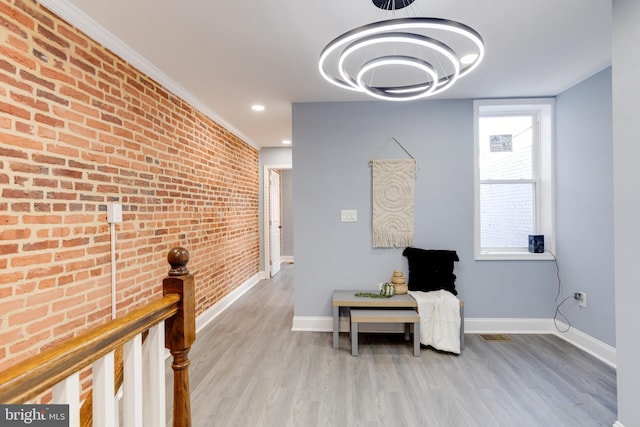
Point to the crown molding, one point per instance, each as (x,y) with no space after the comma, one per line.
(76,17)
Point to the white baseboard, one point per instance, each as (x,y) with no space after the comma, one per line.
(618,424)
(584,342)
(587,343)
(212,312)
(287,258)
(312,324)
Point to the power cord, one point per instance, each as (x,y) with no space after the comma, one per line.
(558,312)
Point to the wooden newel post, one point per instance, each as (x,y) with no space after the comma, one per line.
(180,332)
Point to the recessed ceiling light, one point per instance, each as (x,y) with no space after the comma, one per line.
(257,107)
(286,142)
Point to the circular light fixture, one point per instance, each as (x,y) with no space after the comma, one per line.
(286,142)
(391,4)
(257,107)
(427,41)
(425,90)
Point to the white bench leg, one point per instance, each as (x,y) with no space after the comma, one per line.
(354,339)
(461,328)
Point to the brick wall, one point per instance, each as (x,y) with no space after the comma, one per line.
(80,128)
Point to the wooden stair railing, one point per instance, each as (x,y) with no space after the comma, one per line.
(32,377)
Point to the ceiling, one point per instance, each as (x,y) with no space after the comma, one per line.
(225,55)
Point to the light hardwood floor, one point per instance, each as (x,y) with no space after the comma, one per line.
(249,369)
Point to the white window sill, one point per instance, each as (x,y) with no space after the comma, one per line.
(514,256)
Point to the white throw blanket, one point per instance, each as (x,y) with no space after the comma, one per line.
(439,319)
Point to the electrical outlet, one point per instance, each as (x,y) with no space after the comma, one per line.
(582,298)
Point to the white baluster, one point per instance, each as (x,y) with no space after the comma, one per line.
(132,397)
(104,414)
(154,377)
(67,391)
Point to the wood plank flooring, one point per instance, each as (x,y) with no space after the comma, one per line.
(249,369)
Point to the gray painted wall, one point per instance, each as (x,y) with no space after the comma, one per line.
(333,145)
(287,212)
(584,151)
(626,151)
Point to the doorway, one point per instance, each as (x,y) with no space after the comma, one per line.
(275,223)
(275,227)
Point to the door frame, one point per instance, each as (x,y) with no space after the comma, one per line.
(266,202)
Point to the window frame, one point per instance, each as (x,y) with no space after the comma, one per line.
(543,177)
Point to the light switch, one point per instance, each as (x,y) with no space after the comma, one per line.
(348,215)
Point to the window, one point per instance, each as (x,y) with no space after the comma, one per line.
(514,185)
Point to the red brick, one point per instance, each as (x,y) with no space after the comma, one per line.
(90,89)
(5,291)
(21,194)
(30,102)
(45,45)
(63,150)
(15,111)
(50,183)
(7,152)
(25,75)
(26,168)
(16,29)
(10,81)
(25,128)
(44,272)
(46,133)
(72,35)
(74,140)
(56,195)
(30,342)
(52,97)
(15,234)
(113,119)
(49,321)
(42,219)
(8,67)
(40,246)
(20,141)
(11,278)
(49,35)
(50,160)
(50,73)
(84,110)
(34,13)
(34,259)
(83,131)
(40,55)
(8,249)
(67,173)
(17,16)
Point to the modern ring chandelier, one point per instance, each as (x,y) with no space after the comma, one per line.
(402,59)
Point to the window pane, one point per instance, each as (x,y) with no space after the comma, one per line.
(505,150)
(506,215)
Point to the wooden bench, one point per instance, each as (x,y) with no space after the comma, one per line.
(406,316)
